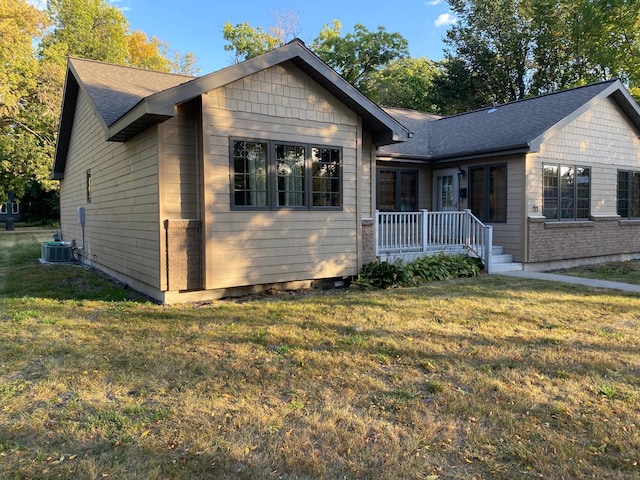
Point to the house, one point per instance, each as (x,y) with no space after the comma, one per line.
(557,177)
(190,189)
(277,172)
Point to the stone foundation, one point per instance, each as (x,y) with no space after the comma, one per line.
(368,240)
(184,255)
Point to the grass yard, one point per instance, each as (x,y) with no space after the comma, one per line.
(626,272)
(483,378)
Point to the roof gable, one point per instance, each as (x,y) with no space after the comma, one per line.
(129,100)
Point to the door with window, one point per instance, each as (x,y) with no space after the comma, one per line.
(445,190)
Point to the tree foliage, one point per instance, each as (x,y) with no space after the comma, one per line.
(359,55)
(25,141)
(503,50)
(405,83)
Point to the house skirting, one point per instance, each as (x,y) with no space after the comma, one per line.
(567,244)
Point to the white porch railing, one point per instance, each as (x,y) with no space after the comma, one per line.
(425,232)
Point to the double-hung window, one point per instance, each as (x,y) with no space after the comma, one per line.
(628,194)
(566,192)
(273,175)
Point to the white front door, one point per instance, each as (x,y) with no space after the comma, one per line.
(446,190)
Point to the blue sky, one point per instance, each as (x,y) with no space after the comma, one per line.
(196,25)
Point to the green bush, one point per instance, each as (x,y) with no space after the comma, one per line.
(424,269)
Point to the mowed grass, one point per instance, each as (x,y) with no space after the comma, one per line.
(484,378)
(626,272)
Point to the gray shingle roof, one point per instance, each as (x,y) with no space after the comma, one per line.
(116,89)
(514,126)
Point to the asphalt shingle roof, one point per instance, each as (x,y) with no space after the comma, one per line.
(116,89)
(501,128)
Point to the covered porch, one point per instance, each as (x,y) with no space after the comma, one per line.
(409,235)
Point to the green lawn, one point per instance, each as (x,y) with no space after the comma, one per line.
(482,378)
(626,272)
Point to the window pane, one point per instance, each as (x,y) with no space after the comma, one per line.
(623,194)
(325,177)
(498,193)
(387,190)
(550,192)
(290,175)
(250,173)
(567,192)
(583,193)
(477,192)
(408,191)
(635,195)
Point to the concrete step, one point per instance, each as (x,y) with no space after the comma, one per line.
(502,258)
(497,250)
(506,267)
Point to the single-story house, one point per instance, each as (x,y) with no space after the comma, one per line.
(277,172)
(189,189)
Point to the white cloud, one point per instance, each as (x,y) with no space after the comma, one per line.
(445,19)
(433,3)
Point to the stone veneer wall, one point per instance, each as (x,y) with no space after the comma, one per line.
(601,236)
(368,241)
(184,257)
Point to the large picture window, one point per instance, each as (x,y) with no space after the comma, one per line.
(628,194)
(397,190)
(272,174)
(488,192)
(566,192)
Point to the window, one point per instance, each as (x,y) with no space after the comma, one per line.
(628,194)
(271,174)
(397,190)
(488,192)
(566,192)
(88,185)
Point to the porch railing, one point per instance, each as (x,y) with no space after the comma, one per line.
(431,232)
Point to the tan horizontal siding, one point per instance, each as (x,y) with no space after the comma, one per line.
(121,230)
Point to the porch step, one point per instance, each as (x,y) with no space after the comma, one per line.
(503,262)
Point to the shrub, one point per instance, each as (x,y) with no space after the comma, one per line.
(424,269)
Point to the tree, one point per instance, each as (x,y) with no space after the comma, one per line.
(91,29)
(510,49)
(359,55)
(25,141)
(405,83)
(246,41)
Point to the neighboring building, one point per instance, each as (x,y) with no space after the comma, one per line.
(557,176)
(10,210)
(190,189)
(270,173)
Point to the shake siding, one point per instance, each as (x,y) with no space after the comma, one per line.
(121,230)
(258,247)
(603,139)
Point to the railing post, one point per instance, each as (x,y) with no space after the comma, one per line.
(376,227)
(488,249)
(466,237)
(425,229)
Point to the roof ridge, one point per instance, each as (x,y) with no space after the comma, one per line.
(130,67)
(535,97)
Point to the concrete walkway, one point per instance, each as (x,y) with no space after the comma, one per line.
(587,282)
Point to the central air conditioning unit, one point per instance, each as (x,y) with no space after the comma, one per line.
(55,252)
